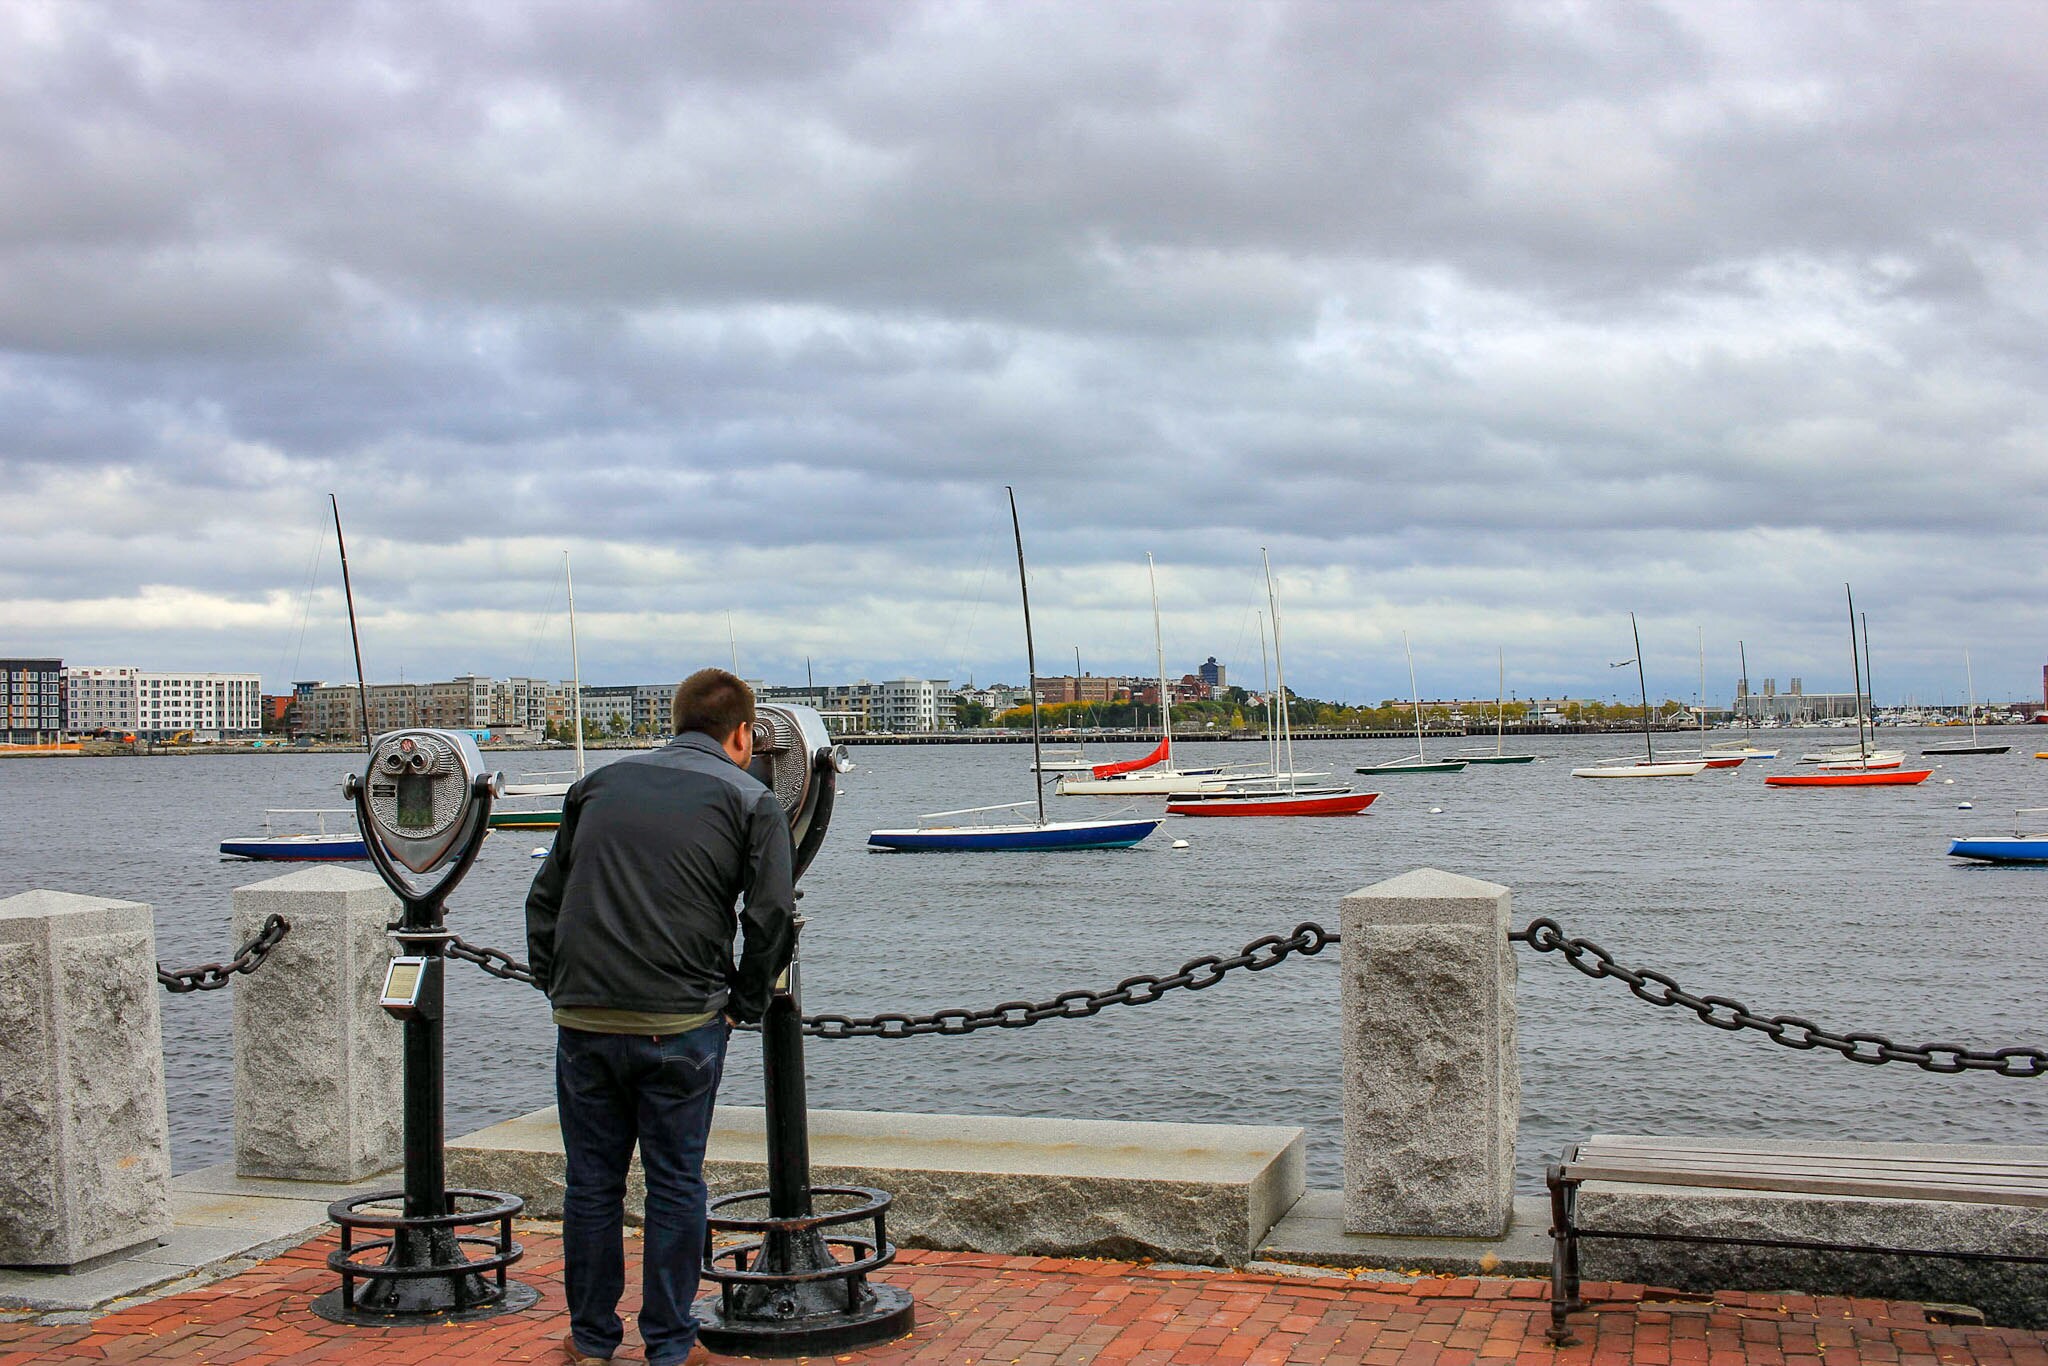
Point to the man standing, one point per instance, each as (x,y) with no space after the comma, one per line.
(630,927)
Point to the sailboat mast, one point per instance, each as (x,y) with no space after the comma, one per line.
(1970,679)
(1703,690)
(1643,686)
(362,688)
(1414,694)
(1159,653)
(1748,716)
(1500,703)
(1030,659)
(1856,664)
(575,663)
(1279,670)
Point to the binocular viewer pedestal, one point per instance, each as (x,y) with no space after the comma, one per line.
(782,1292)
(423,803)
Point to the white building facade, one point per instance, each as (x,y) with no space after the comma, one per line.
(209,705)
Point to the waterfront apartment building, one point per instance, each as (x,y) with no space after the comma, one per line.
(148,703)
(31,700)
(1086,688)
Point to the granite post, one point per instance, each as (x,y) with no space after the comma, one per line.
(318,1072)
(1432,1093)
(86,1141)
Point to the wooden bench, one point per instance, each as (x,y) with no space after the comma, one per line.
(1996,1180)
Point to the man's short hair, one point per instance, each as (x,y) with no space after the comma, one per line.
(714,702)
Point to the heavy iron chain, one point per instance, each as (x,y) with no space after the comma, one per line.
(214,976)
(1543,934)
(1722,1012)
(1197,974)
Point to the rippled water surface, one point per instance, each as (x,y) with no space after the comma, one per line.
(1840,906)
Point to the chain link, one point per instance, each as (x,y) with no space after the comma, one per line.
(494,961)
(214,976)
(1545,935)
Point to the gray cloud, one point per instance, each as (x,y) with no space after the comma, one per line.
(1491,320)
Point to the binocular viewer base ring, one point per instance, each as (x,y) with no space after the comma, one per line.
(786,1294)
(426,1272)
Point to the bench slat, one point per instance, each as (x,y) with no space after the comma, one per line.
(1604,1143)
(1872,1165)
(1896,1188)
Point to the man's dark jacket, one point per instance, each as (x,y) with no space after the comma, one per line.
(635,907)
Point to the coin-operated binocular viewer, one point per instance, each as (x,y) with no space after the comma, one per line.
(423,803)
(796,1283)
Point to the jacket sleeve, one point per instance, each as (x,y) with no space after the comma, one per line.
(544,899)
(768,915)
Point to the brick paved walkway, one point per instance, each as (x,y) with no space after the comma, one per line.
(995,1311)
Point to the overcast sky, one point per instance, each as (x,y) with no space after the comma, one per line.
(1492,322)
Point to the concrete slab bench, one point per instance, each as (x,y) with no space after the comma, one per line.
(1201,1193)
(1843,1218)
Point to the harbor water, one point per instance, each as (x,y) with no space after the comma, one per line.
(1840,906)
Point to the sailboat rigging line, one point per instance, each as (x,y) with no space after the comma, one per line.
(1030,654)
(953,633)
(575,663)
(1266,687)
(1856,664)
(540,630)
(1644,686)
(1869,674)
(1279,672)
(306,602)
(362,687)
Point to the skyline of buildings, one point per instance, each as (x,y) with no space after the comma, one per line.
(42,697)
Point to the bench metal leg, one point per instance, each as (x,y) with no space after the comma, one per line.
(1564,1259)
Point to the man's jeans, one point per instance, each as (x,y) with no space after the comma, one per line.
(613,1089)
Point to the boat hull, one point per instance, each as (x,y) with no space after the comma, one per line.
(1278,804)
(1057,835)
(1434,766)
(1965,749)
(1859,778)
(1499,759)
(297,848)
(526,820)
(1644,770)
(2006,849)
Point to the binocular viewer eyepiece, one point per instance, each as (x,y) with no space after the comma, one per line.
(423,796)
(796,758)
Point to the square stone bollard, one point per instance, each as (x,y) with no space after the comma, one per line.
(85,1164)
(1432,1090)
(318,1063)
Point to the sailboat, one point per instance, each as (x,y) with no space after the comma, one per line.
(1500,726)
(1041,834)
(549,816)
(2019,847)
(1973,747)
(1418,762)
(1864,768)
(1746,747)
(1649,766)
(1287,796)
(1155,774)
